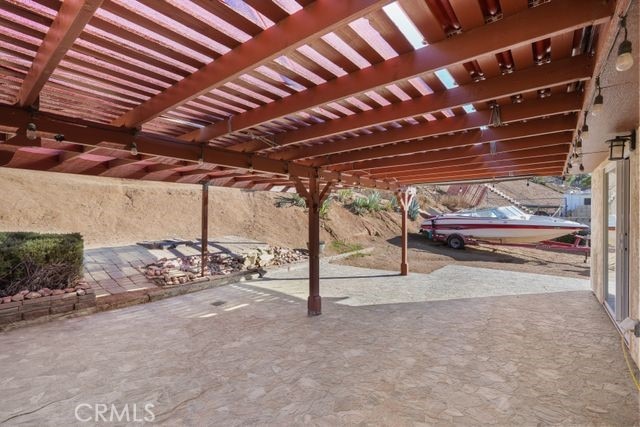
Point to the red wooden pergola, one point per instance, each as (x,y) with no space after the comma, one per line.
(298,95)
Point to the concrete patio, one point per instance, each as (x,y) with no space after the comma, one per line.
(460,345)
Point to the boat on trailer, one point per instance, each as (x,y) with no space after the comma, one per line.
(500,225)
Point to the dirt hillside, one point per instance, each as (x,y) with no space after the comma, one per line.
(109,211)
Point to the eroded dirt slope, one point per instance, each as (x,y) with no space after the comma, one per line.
(113,211)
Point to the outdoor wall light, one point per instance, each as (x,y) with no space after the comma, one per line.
(32,131)
(134,149)
(617,146)
(624,61)
(59,137)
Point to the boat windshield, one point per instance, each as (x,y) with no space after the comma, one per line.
(504,212)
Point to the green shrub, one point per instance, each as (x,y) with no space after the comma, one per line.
(34,261)
(395,206)
(344,247)
(414,209)
(344,196)
(374,202)
(293,199)
(371,203)
(324,208)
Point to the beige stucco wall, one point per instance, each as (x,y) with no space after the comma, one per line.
(598,224)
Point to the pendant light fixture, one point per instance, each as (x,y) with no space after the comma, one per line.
(32,131)
(201,158)
(496,114)
(624,61)
(133,149)
(585,127)
(598,102)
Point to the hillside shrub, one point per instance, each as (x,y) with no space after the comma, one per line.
(344,196)
(324,208)
(371,203)
(414,209)
(32,261)
(293,199)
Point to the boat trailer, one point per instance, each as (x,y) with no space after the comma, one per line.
(580,245)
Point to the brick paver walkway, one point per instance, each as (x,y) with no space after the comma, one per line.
(115,270)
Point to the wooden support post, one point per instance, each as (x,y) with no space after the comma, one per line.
(405,197)
(204,244)
(314,306)
(314,197)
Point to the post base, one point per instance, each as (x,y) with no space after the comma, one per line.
(404,269)
(314,305)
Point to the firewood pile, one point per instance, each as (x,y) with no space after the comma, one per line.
(178,271)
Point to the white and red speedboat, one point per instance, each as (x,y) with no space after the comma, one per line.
(506,224)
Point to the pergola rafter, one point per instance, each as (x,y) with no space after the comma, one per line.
(555,74)
(491,175)
(464,151)
(550,125)
(560,104)
(465,163)
(551,18)
(288,34)
(66,27)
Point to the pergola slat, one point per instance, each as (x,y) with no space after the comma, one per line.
(519,130)
(465,151)
(66,27)
(551,18)
(557,73)
(288,34)
(558,104)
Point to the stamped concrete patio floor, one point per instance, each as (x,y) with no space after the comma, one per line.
(461,345)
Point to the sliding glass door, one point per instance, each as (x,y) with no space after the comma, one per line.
(616,244)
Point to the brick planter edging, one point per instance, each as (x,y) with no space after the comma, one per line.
(114,301)
(30,309)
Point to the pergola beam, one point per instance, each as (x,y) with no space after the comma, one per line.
(514,131)
(540,141)
(550,19)
(531,79)
(71,19)
(555,152)
(539,171)
(490,167)
(288,34)
(557,104)
(94,134)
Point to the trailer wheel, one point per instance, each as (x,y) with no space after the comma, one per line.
(455,241)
